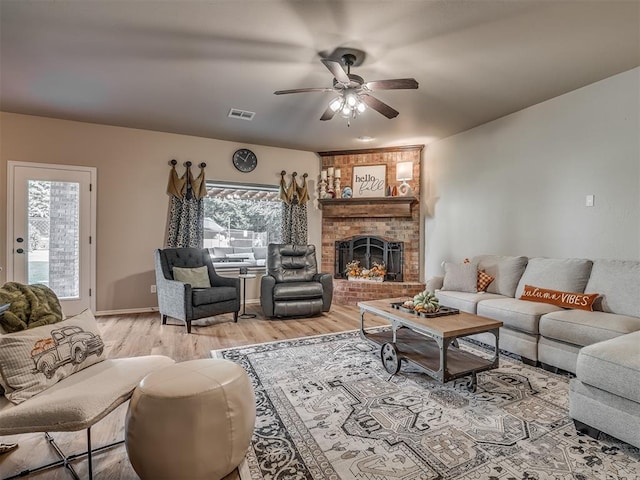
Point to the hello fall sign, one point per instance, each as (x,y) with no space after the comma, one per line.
(369,180)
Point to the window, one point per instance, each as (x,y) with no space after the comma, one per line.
(237,215)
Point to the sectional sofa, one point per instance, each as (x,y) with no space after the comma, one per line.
(602,347)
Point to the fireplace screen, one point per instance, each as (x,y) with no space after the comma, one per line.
(369,250)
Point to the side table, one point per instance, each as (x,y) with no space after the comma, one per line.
(244,277)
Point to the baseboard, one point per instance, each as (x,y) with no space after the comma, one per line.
(129,311)
(126,311)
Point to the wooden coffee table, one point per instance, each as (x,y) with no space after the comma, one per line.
(429,343)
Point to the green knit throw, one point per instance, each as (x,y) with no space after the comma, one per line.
(31,306)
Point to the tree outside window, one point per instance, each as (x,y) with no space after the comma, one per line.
(241,215)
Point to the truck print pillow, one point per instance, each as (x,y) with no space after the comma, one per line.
(35,359)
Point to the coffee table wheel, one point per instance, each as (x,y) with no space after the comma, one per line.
(390,358)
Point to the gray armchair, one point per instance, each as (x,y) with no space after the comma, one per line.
(179,300)
(292,285)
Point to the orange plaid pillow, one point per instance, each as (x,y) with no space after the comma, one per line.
(484,279)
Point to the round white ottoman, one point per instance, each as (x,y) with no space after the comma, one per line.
(191,420)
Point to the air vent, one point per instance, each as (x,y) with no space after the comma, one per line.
(241,114)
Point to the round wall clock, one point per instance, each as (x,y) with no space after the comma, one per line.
(245,160)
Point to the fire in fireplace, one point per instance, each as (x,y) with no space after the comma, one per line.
(369,250)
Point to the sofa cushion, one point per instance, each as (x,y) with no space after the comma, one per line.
(460,277)
(205,296)
(260,253)
(585,328)
(35,359)
(248,256)
(566,274)
(618,281)
(613,365)
(505,270)
(220,252)
(514,313)
(464,301)
(297,291)
(580,301)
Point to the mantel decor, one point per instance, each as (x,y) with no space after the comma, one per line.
(369,180)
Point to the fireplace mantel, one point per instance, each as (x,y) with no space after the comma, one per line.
(379,207)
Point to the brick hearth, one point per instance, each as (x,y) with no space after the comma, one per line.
(347,292)
(395,227)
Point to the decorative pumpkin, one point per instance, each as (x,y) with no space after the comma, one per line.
(426,302)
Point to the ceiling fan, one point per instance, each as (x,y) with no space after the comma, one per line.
(354,94)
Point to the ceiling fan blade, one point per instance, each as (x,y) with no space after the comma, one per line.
(336,70)
(394,84)
(303,90)
(328,114)
(379,106)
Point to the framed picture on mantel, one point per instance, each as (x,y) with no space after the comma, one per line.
(369,181)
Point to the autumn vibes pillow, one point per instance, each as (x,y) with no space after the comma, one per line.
(581,301)
(35,359)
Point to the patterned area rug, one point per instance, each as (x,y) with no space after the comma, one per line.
(327,411)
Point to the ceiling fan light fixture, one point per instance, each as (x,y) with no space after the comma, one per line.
(336,104)
(361,107)
(352,99)
(346,111)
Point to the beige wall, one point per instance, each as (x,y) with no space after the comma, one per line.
(132,177)
(518,185)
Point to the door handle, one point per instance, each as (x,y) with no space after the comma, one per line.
(20,250)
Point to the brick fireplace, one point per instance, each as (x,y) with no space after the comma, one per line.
(369,250)
(395,219)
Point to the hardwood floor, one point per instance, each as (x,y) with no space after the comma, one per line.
(143,334)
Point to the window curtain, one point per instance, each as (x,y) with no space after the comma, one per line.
(186,208)
(294,209)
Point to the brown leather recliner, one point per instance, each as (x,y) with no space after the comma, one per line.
(292,286)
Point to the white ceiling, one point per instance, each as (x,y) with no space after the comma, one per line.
(179,66)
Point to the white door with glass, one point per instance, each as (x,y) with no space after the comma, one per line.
(51,230)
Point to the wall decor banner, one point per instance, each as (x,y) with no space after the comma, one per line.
(369,181)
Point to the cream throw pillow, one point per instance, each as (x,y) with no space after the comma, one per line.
(35,359)
(197,277)
(460,277)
